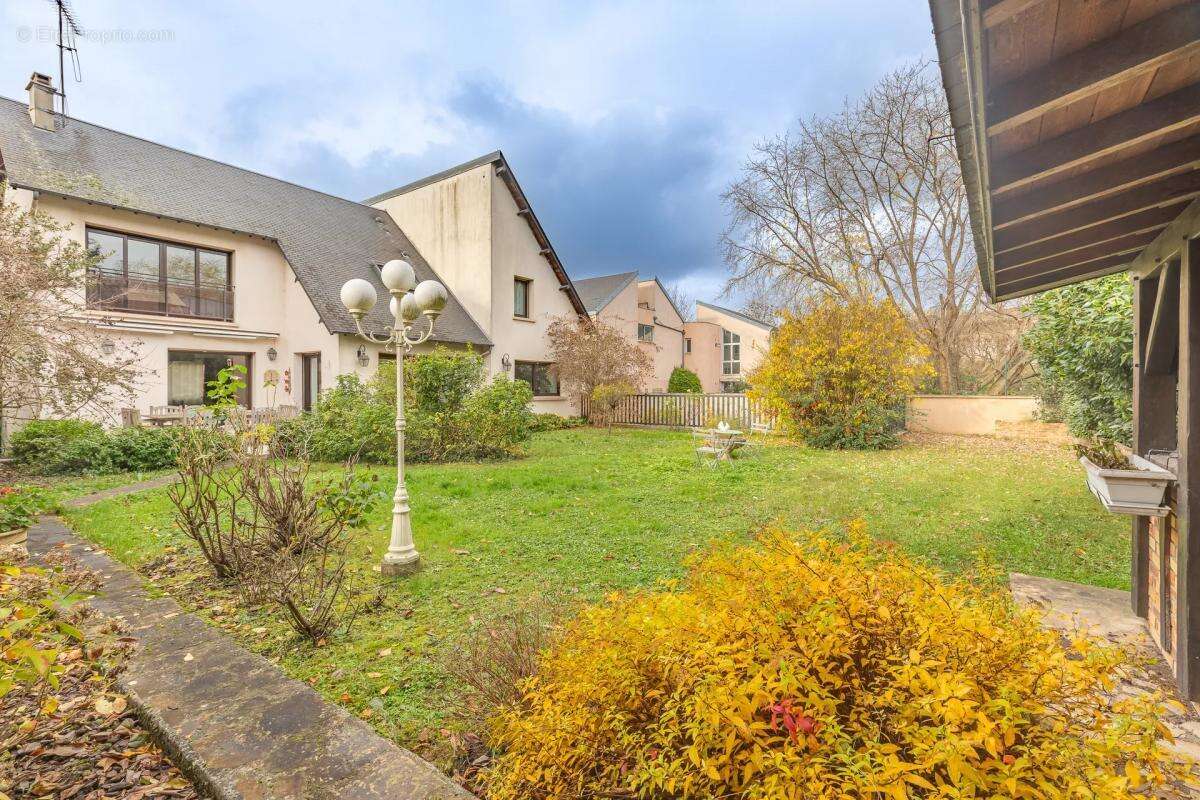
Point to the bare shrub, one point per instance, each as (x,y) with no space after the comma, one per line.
(211,506)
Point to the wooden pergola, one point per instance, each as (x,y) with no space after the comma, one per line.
(1077,123)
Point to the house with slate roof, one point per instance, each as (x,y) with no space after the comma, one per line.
(204,264)
(642,310)
(720,345)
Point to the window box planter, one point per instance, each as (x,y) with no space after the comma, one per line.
(1138,491)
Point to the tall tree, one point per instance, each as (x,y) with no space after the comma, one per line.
(866,203)
(52,359)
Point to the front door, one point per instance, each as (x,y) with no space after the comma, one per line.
(310,379)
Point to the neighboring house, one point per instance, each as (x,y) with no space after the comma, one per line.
(206,264)
(642,310)
(723,347)
(474,223)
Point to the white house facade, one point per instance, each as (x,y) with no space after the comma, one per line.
(204,264)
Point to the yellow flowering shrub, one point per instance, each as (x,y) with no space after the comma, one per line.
(813,667)
(838,373)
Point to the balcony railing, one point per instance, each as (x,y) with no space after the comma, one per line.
(115,292)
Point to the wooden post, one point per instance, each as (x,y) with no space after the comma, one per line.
(1153,429)
(1187,567)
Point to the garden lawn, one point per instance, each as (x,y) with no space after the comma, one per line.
(589,512)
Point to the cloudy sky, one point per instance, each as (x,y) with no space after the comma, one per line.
(623,121)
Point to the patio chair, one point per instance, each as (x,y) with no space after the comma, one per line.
(759,431)
(709,450)
(130,418)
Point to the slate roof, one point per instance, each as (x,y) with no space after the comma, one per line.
(598,292)
(327,240)
(737,315)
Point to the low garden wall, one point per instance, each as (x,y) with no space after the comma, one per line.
(967,414)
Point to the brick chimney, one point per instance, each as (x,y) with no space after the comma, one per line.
(41,101)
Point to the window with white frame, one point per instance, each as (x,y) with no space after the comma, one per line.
(731,353)
(645,333)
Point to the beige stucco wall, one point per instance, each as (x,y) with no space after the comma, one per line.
(705,357)
(972,415)
(666,351)
(468,229)
(706,335)
(622,312)
(450,224)
(271,309)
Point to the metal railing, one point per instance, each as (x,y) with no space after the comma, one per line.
(115,292)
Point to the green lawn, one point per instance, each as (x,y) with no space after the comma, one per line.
(588,512)
(63,488)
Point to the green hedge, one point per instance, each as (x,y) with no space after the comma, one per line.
(683,381)
(75,447)
(451,412)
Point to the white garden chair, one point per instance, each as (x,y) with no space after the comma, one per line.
(710,450)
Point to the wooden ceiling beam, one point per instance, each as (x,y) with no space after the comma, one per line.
(1153,219)
(1101,65)
(997,11)
(1130,244)
(1042,281)
(1099,140)
(1169,191)
(1179,156)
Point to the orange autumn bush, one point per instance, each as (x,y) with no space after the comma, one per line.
(838,373)
(812,667)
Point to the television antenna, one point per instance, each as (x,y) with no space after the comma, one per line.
(68,29)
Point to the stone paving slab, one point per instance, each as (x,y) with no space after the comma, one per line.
(1107,614)
(234,722)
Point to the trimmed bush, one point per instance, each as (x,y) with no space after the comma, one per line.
(810,667)
(63,447)
(451,413)
(75,447)
(144,449)
(554,422)
(685,381)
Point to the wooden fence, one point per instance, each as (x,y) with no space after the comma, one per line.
(685,410)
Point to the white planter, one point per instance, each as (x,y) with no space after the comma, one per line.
(1138,490)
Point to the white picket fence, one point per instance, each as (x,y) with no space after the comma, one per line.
(686,410)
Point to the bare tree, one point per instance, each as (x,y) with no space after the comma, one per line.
(865,203)
(589,353)
(683,300)
(52,359)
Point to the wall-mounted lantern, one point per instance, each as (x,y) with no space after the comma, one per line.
(505,362)
(272,354)
(364,358)
(108,347)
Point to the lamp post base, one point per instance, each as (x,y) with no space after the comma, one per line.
(398,569)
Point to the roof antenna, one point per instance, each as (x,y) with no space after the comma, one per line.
(68,29)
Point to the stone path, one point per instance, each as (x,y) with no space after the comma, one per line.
(117,491)
(1105,613)
(235,724)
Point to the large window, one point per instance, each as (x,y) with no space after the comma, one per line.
(521,288)
(149,276)
(539,375)
(731,353)
(189,372)
(645,333)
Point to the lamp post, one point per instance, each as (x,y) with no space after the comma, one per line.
(409,301)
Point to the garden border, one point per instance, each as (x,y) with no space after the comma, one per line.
(234,723)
